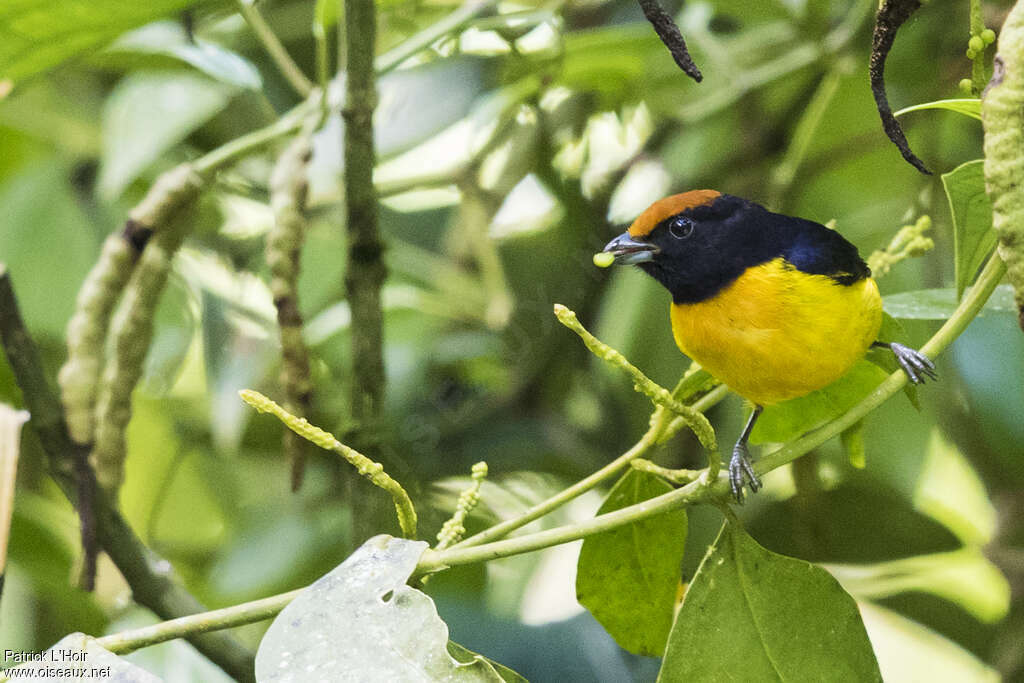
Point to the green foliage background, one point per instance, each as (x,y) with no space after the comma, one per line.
(477,366)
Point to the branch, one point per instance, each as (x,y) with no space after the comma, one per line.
(152,583)
(365,271)
(289,69)
(890,17)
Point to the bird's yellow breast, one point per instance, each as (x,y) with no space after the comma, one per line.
(777,333)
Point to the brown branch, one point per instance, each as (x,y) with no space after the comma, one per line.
(669,33)
(153,584)
(890,17)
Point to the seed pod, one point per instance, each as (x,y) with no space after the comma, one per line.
(288,190)
(132,329)
(87,329)
(1002,112)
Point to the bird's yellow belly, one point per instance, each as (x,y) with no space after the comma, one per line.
(777,333)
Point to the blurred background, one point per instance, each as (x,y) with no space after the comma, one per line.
(509,152)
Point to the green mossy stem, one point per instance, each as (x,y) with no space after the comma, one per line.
(453,529)
(373,471)
(659,395)
(909,241)
(101,290)
(288,190)
(1002,115)
(132,331)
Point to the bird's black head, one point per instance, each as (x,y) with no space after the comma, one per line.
(698,242)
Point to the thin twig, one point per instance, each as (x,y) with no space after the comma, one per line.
(289,69)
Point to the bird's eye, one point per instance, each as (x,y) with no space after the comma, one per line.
(680,227)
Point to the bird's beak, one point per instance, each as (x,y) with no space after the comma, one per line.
(628,251)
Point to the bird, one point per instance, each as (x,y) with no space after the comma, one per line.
(773,306)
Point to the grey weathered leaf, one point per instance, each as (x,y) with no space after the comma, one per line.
(361,622)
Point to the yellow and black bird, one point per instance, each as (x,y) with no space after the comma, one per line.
(773,306)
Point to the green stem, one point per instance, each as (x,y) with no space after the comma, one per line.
(661,425)
(231,151)
(806,129)
(215,620)
(658,394)
(373,471)
(697,491)
(289,69)
(454,21)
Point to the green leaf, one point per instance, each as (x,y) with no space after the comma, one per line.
(967,106)
(790,419)
(167,39)
(973,235)
(753,615)
(362,622)
(467,656)
(964,577)
(907,651)
(40,34)
(628,578)
(147,114)
(939,304)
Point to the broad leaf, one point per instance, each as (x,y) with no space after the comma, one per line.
(939,304)
(40,34)
(964,577)
(908,651)
(167,39)
(147,114)
(80,651)
(973,236)
(970,106)
(790,419)
(361,622)
(753,615)
(628,577)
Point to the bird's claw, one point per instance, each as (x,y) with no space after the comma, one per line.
(917,365)
(740,473)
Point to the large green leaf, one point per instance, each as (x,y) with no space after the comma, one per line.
(908,651)
(973,236)
(968,106)
(753,615)
(939,304)
(790,419)
(167,39)
(628,578)
(40,34)
(361,622)
(147,114)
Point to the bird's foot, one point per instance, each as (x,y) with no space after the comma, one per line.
(740,473)
(917,365)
